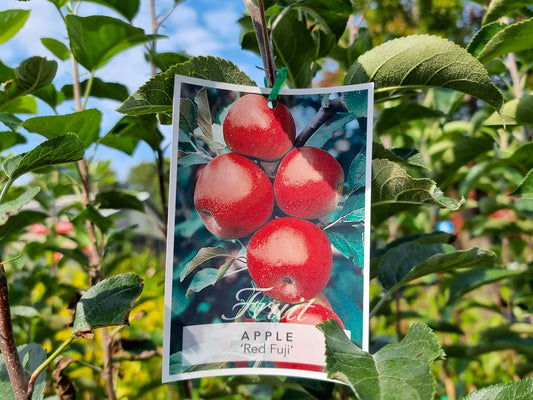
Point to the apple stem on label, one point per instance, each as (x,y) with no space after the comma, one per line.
(325,112)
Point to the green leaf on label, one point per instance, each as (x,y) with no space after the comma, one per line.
(422,62)
(10,207)
(202,279)
(519,390)
(515,37)
(59,150)
(11,21)
(35,73)
(393,190)
(398,371)
(94,40)
(86,124)
(203,255)
(32,356)
(156,95)
(58,49)
(107,303)
(525,188)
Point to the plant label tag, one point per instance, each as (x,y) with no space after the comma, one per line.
(269,205)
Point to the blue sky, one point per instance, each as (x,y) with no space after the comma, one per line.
(197,27)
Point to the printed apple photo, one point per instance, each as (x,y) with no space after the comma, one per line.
(269,207)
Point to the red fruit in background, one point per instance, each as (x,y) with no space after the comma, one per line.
(233,196)
(254,129)
(64,227)
(292,257)
(308,183)
(308,314)
(38,229)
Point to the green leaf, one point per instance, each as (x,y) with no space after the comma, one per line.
(503,8)
(519,390)
(99,89)
(295,48)
(50,96)
(514,112)
(32,356)
(90,213)
(107,303)
(127,132)
(514,38)
(11,121)
(472,279)
(166,60)
(21,105)
(393,190)
(398,371)
(421,62)
(483,36)
(118,199)
(94,40)
(156,95)
(525,188)
(332,15)
(86,124)
(11,21)
(35,73)
(398,116)
(59,150)
(127,8)
(436,263)
(57,48)
(10,207)
(16,223)
(9,139)
(407,157)
(203,255)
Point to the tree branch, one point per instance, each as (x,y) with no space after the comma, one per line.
(263,39)
(325,112)
(8,346)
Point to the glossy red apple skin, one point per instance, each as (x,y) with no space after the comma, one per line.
(254,129)
(291,257)
(308,314)
(233,196)
(309,183)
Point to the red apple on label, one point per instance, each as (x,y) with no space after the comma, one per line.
(308,183)
(290,258)
(254,129)
(308,314)
(233,196)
